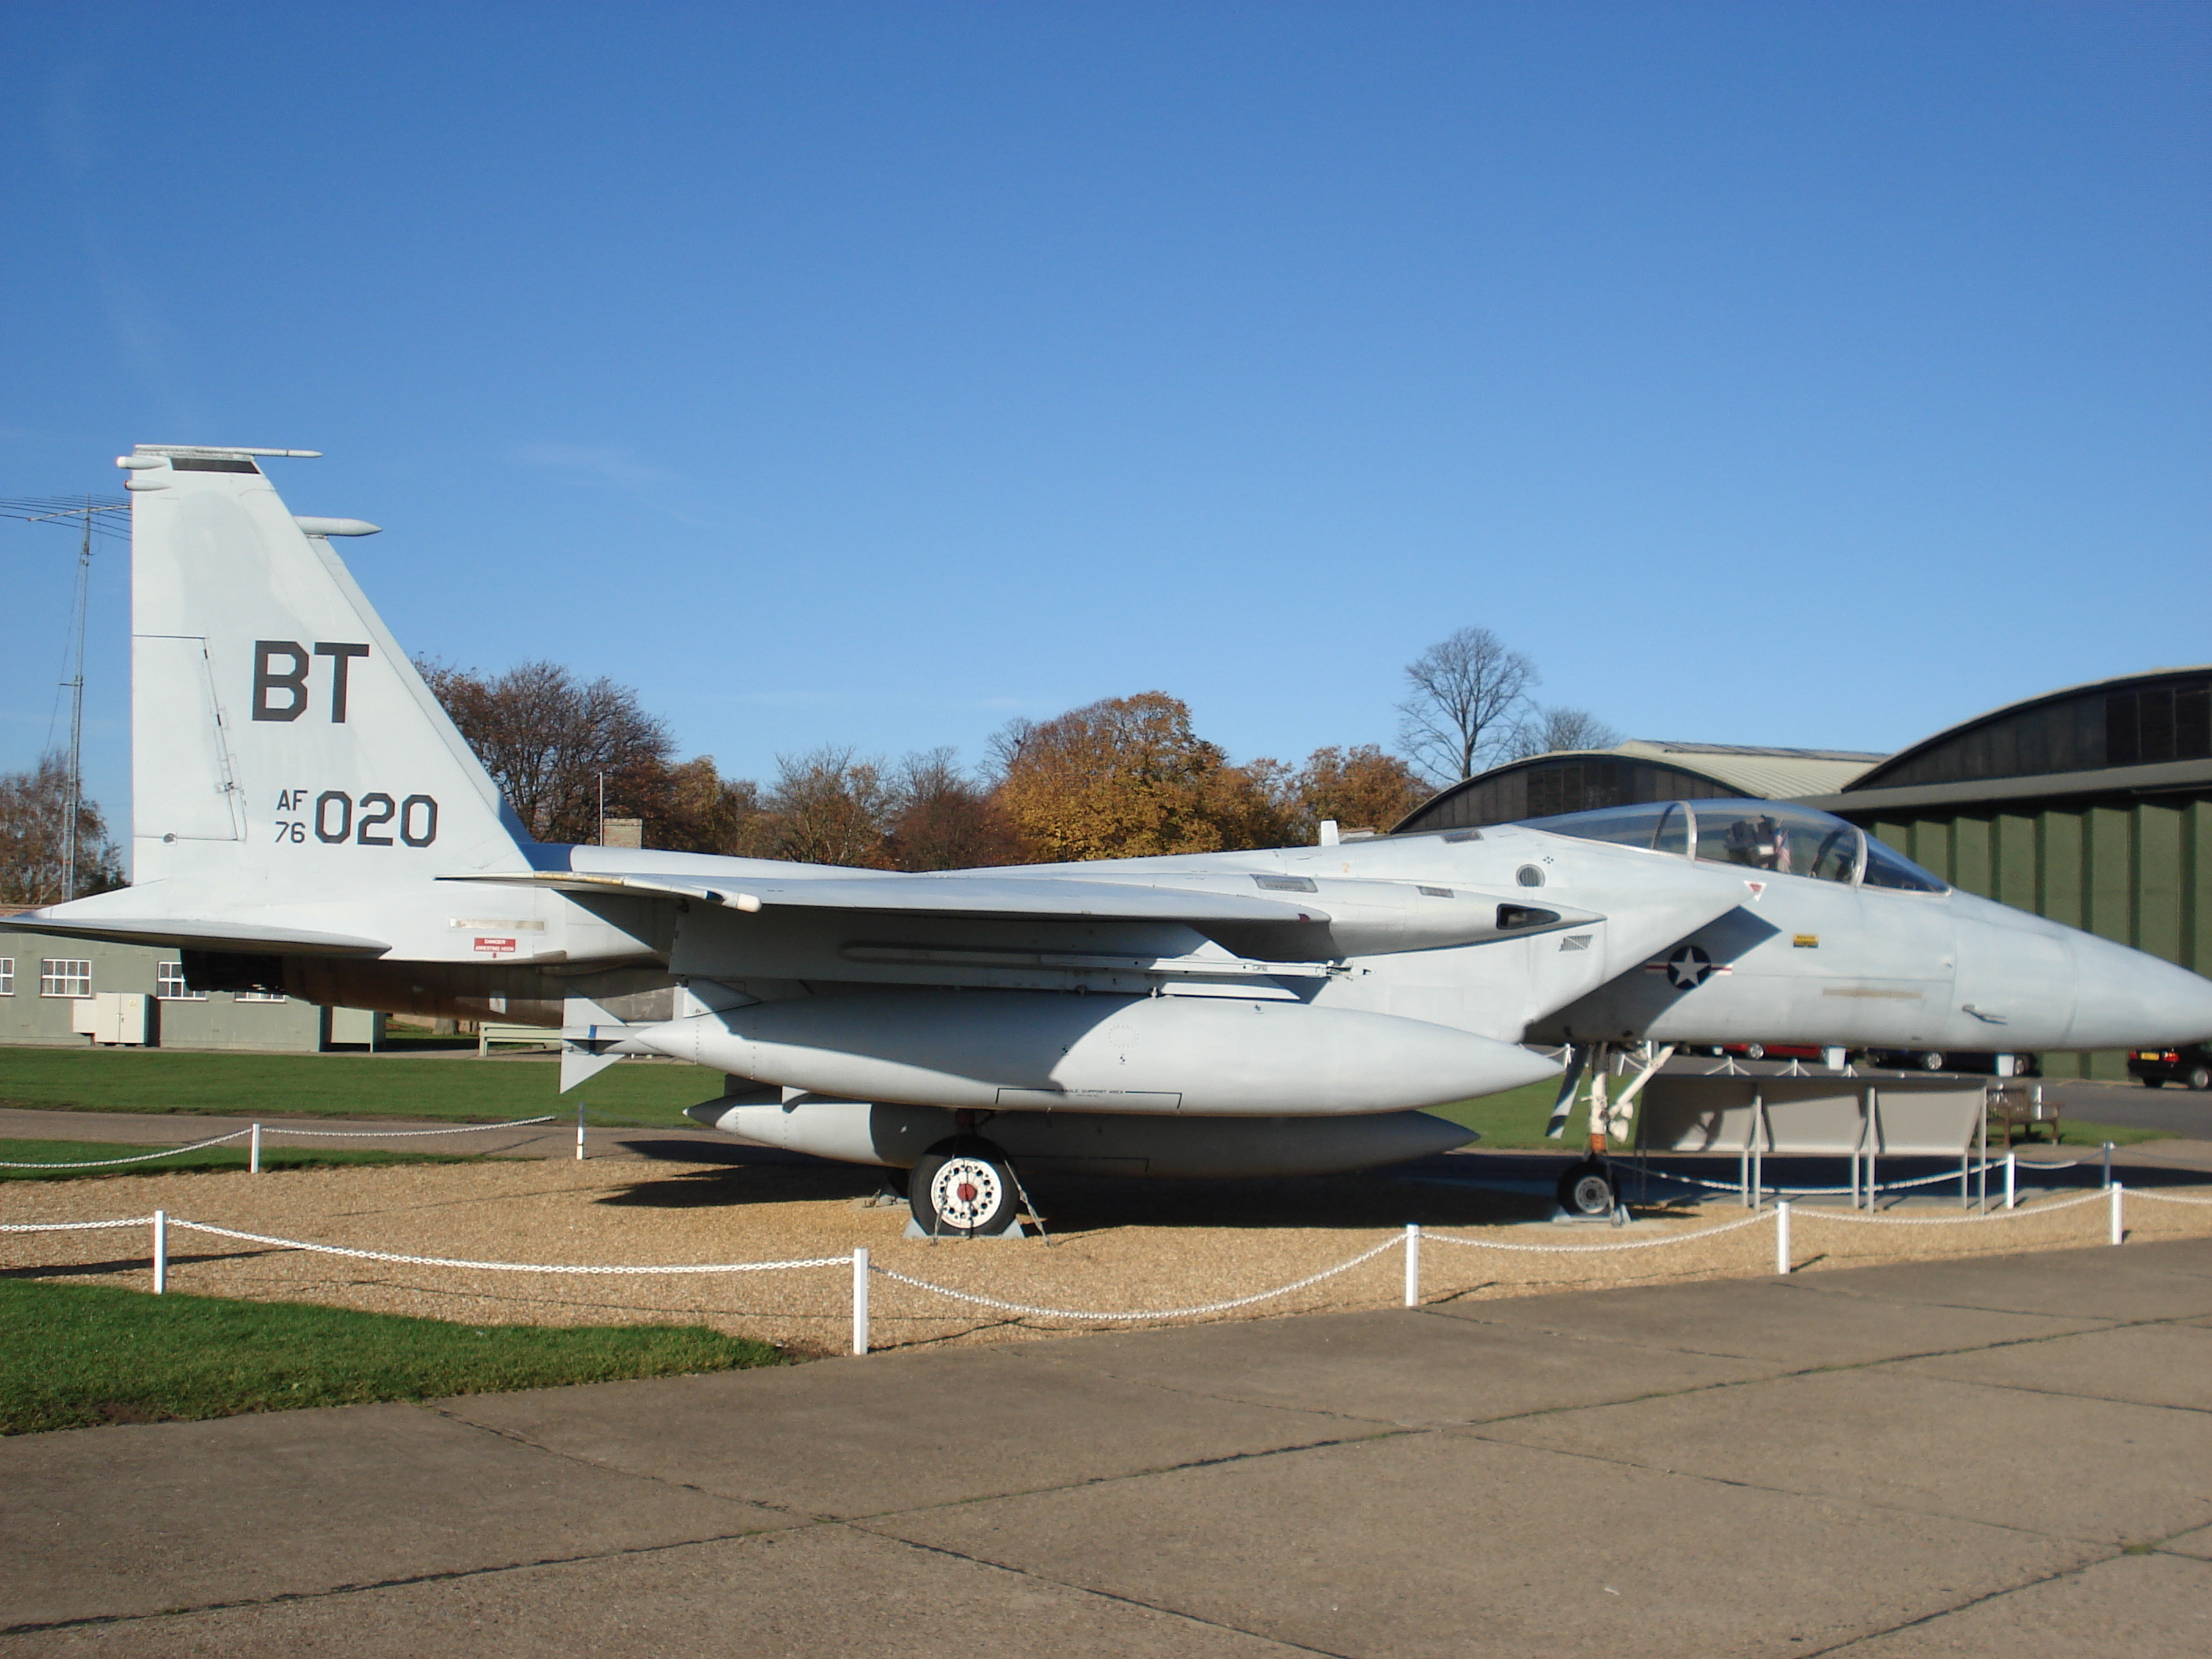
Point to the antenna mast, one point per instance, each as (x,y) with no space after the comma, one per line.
(49,510)
(76,684)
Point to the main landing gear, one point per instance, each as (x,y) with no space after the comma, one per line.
(963,1187)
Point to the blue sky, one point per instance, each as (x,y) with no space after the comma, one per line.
(1809,373)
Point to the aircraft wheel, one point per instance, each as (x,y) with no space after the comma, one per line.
(1932,1061)
(1587,1189)
(963,1186)
(2200,1077)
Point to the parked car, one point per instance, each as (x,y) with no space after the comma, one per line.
(1939,1060)
(2190,1064)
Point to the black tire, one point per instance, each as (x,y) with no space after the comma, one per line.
(2154,1083)
(2200,1077)
(1587,1189)
(963,1188)
(1932,1061)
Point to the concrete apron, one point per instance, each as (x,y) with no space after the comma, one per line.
(1954,1457)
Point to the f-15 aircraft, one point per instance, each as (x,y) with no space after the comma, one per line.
(306,819)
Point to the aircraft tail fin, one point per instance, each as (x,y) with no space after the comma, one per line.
(279,735)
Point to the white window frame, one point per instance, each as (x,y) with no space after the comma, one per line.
(7,976)
(259,996)
(170,985)
(58,971)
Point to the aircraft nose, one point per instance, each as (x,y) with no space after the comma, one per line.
(2124,998)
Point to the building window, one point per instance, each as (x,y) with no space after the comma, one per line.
(256,996)
(7,976)
(169,984)
(65,976)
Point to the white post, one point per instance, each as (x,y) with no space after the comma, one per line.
(860,1300)
(1782,1236)
(580,1132)
(1412,1264)
(2119,1228)
(2012,1179)
(1874,1147)
(2108,1164)
(253,1153)
(161,1252)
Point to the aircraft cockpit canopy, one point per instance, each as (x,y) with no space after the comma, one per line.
(1755,834)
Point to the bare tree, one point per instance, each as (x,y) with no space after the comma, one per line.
(1547,731)
(1468,693)
(945,820)
(831,807)
(33,821)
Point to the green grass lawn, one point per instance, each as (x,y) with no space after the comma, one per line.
(230,1157)
(74,1355)
(630,1093)
(1514,1119)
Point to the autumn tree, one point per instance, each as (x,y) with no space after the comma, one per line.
(1465,697)
(548,738)
(1360,788)
(34,839)
(1127,777)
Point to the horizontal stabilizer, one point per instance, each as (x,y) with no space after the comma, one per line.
(205,934)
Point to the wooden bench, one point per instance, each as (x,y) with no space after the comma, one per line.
(2022,1106)
(532,1036)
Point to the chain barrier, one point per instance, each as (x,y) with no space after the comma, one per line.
(143,1157)
(72,1226)
(2165,1198)
(1600,1249)
(504,1267)
(862,1268)
(268,1129)
(401,1134)
(1957,1220)
(1816,1192)
(1145,1313)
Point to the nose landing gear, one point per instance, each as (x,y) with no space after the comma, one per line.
(1587,1190)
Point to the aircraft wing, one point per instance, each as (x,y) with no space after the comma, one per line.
(203,934)
(992,896)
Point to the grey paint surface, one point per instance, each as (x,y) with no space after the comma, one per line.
(1566,1475)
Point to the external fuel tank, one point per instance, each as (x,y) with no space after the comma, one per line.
(1047,1051)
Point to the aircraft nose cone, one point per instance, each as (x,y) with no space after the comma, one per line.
(2125,997)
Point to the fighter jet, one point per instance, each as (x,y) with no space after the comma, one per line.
(306,819)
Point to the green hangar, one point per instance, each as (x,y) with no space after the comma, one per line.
(2092,805)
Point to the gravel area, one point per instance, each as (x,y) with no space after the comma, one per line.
(1118,1246)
